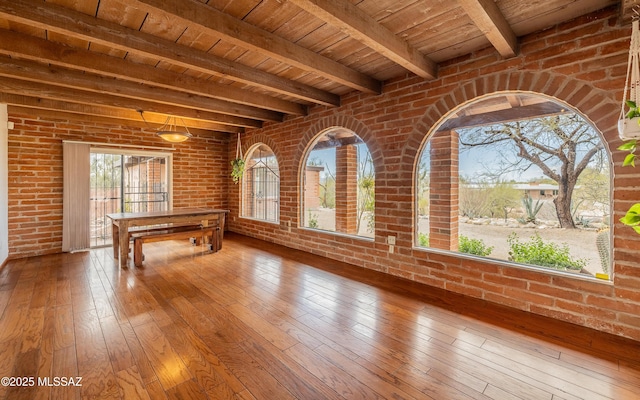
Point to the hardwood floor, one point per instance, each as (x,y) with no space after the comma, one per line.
(261,321)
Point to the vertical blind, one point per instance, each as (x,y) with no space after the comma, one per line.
(75,195)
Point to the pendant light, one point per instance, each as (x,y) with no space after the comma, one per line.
(169,131)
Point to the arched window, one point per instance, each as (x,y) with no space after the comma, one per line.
(261,185)
(339,184)
(518,177)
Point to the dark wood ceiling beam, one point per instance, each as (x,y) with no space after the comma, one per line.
(153,120)
(362,27)
(73,117)
(486,15)
(240,33)
(36,72)
(36,89)
(23,46)
(337,142)
(65,21)
(629,9)
(503,116)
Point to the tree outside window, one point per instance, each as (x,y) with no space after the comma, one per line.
(526,180)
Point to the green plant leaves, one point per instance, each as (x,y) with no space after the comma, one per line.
(628,146)
(473,246)
(630,159)
(237,169)
(633,110)
(547,254)
(632,218)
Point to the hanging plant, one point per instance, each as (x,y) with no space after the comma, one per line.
(237,164)
(629,122)
(237,169)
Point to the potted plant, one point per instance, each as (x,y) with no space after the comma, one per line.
(237,164)
(237,169)
(629,126)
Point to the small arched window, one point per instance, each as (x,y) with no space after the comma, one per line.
(339,184)
(261,185)
(518,177)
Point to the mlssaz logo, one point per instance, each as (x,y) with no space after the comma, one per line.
(60,381)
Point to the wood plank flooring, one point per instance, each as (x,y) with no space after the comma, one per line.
(259,321)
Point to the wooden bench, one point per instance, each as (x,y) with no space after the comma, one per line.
(196,233)
(160,228)
(156,228)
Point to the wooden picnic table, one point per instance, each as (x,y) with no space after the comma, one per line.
(121,222)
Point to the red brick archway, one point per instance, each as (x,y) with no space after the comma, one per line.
(342,121)
(346,168)
(597,106)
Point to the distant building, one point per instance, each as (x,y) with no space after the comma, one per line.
(537,191)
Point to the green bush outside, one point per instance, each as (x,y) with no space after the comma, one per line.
(546,254)
(535,251)
(465,245)
(473,246)
(423,239)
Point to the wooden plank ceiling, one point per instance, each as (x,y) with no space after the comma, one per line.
(231,65)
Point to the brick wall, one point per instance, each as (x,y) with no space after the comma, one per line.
(312,189)
(581,62)
(443,191)
(346,189)
(35,174)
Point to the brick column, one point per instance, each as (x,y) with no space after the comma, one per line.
(443,191)
(346,189)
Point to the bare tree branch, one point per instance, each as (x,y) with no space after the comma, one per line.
(562,147)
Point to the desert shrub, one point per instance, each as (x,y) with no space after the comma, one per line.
(313,220)
(473,246)
(465,245)
(423,239)
(546,254)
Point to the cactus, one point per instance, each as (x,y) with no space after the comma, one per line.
(602,241)
(531,209)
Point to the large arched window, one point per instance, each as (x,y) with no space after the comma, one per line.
(339,184)
(518,177)
(261,185)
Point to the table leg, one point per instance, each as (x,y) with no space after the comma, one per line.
(124,243)
(223,217)
(115,238)
(205,223)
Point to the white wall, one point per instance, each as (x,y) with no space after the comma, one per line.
(4,185)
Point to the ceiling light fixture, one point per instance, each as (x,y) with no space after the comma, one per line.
(169,131)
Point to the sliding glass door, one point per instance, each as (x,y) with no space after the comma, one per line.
(126,182)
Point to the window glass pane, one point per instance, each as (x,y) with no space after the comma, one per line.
(339,185)
(261,185)
(517,177)
(125,183)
